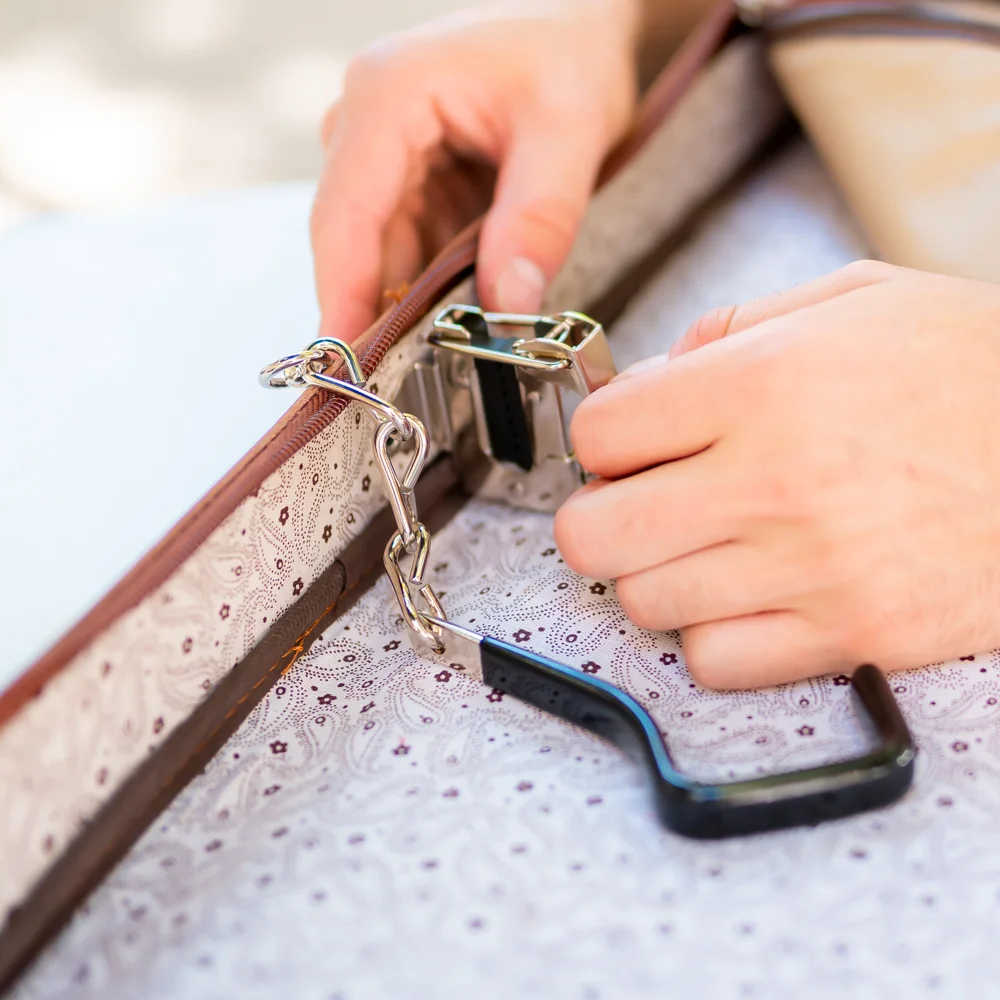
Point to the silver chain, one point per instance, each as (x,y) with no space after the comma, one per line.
(411,541)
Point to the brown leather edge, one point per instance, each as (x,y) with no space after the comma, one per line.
(155,782)
(156,565)
(671,85)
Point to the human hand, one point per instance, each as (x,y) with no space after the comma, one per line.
(815,486)
(531,99)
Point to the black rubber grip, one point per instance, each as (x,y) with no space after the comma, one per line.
(510,436)
(695,809)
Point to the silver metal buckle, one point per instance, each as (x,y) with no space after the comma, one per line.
(567,351)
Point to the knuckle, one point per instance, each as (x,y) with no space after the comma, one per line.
(379,65)
(868,271)
(585,434)
(600,108)
(361,70)
(638,600)
(703,663)
(553,96)
(713,325)
(550,224)
(369,65)
(776,496)
(819,557)
(571,536)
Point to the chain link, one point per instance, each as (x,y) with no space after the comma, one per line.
(411,541)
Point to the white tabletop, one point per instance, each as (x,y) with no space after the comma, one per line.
(130,347)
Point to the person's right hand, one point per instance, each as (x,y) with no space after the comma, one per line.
(517,108)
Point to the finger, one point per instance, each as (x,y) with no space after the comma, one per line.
(635,523)
(665,408)
(758,650)
(542,190)
(328,124)
(723,581)
(666,412)
(367,171)
(452,198)
(402,251)
(728,320)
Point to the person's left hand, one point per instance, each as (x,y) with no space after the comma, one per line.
(816,486)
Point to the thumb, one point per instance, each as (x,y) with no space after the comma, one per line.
(542,192)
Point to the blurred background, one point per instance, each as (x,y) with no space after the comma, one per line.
(113,103)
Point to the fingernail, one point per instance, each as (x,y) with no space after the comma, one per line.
(656,361)
(520,285)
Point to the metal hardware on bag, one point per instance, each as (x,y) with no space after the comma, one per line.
(292,370)
(516,387)
(410,586)
(402,499)
(568,349)
(423,392)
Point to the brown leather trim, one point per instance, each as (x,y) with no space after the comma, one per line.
(314,410)
(155,782)
(670,86)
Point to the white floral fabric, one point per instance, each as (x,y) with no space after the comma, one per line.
(383,826)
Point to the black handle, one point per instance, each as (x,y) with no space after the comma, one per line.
(807,796)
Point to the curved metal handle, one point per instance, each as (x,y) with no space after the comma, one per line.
(696,809)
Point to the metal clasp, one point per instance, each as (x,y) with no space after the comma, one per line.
(568,349)
(517,369)
(294,370)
